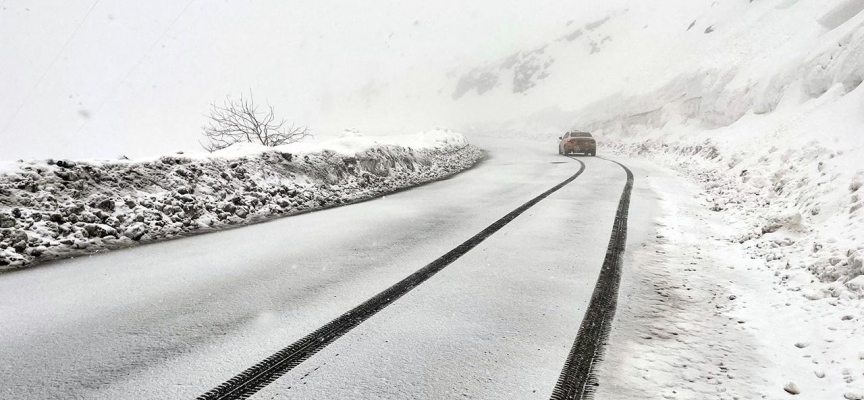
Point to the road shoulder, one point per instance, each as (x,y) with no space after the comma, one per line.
(679,332)
(699,318)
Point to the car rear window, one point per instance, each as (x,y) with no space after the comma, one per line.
(580,134)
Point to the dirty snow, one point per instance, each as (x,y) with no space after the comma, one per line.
(59,208)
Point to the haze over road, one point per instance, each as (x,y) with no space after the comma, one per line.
(175,319)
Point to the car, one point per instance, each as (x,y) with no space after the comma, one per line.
(577,142)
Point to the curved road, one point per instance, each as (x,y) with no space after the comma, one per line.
(175,319)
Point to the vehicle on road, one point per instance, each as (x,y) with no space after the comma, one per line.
(577,142)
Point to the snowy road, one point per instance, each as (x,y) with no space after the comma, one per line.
(175,319)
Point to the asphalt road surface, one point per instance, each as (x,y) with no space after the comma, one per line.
(178,318)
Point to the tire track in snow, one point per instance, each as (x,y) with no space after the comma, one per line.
(268,370)
(577,380)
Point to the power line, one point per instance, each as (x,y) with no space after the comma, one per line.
(135,66)
(45,73)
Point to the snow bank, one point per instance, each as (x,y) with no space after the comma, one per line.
(51,209)
(351,142)
(698,317)
(760,102)
(795,207)
(785,161)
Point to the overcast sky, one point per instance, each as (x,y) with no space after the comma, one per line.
(109,77)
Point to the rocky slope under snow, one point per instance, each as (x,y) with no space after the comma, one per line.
(60,208)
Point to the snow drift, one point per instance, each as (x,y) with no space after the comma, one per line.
(59,208)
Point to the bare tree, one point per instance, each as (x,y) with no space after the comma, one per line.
(236,121)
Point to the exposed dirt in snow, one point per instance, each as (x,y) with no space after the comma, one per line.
(51,209)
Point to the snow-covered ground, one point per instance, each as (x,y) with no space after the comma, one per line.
(759,106)
(700,318)
(60,208)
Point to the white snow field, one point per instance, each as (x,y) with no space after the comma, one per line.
(60,208)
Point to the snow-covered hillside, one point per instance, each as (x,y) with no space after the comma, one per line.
(61,208)
(758,100)
(760,103)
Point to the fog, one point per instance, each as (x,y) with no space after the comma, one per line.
(109,78)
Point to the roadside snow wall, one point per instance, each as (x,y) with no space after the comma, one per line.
(779,148)
(54,209)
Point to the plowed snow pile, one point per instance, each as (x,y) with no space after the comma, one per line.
(51,209)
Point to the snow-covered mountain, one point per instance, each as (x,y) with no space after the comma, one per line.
(526,69)
(716,59)
(760,101)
